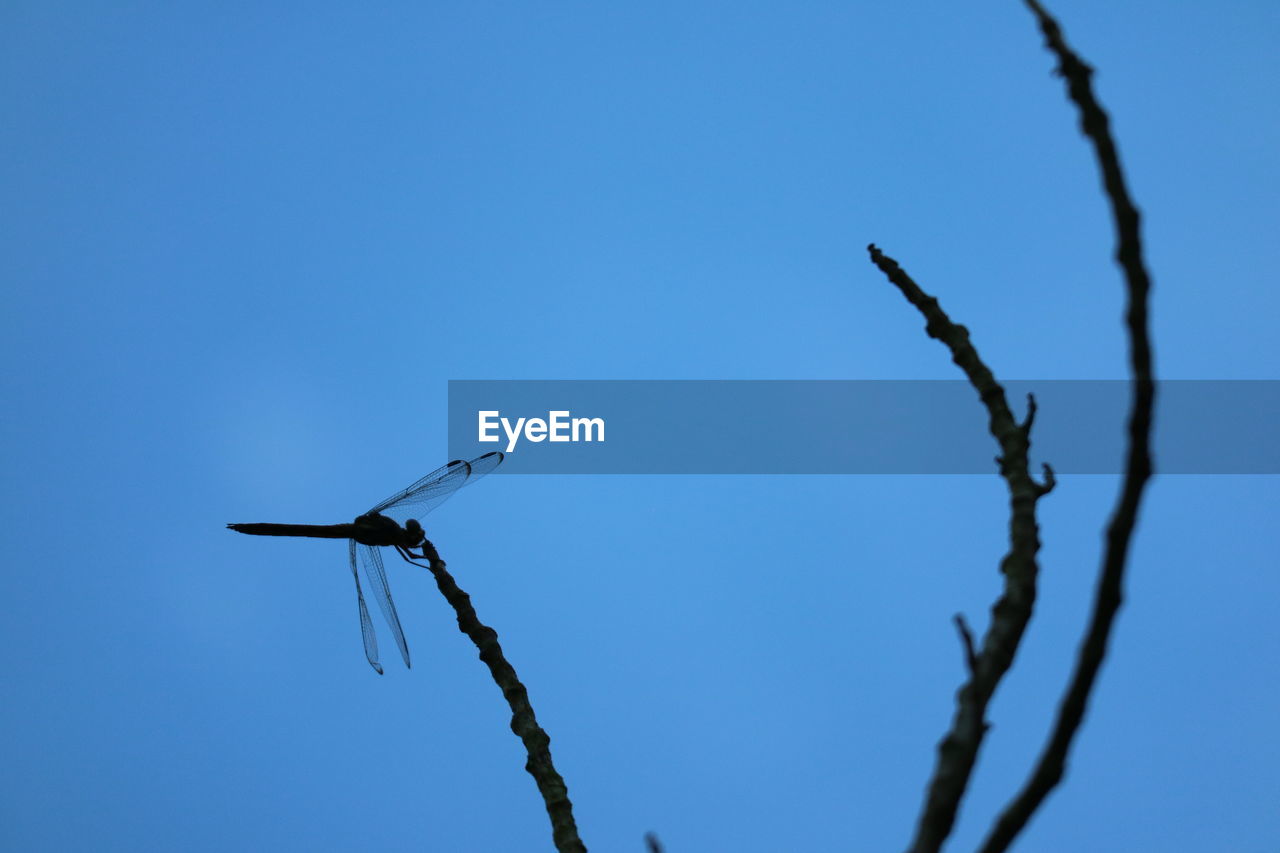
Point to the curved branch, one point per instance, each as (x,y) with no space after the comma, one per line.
(1050,767)
(1009,616)
(523,722)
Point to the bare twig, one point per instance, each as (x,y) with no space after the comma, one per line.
(966,639)
(523,722)
(1138,466)
(1009,616)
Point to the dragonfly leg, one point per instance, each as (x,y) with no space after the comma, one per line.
(408,556)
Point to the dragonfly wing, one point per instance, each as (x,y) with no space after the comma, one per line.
(482,465)
(442,481)
(377,575)
(435,488)
(366,624)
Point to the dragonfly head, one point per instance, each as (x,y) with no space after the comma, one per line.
(414,529)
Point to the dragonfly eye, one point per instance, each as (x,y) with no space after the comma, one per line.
(412,526)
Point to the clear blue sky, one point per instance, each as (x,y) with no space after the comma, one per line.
(244,248)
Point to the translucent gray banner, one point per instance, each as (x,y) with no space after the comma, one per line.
(851,427)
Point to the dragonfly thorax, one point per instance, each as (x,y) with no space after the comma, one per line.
(376,529)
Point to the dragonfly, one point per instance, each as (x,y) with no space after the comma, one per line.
(377,529)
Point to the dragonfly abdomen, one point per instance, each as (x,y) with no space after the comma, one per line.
(317,531)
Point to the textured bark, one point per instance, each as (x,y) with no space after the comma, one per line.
(1094,124)
(1009,616)
(555,794)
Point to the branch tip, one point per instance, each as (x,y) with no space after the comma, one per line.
(1031,414)
(966,640)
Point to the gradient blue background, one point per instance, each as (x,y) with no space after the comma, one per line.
(245,246)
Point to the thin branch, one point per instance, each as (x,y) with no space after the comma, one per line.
(1009,616)
(966,640)
(1049,769)
(537,743)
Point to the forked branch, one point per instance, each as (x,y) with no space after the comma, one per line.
(958,750)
